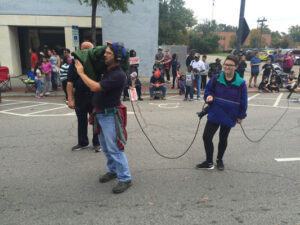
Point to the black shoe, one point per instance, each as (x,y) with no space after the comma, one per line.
(205,165)
(121,187)
(140,99)
(220,164)
(97,148)
(107,177)
(79,147)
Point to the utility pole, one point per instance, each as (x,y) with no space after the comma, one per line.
(261,21)
(240,29)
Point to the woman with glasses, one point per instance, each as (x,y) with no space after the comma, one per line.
(226,95)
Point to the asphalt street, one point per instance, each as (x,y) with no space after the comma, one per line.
(43,182)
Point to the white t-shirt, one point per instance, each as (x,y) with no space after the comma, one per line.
(197,65)
(38,72)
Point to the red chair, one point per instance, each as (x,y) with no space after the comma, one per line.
(5,83)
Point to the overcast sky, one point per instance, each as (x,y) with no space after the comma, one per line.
(281,14)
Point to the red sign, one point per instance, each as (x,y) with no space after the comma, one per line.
(132,94)
(134,60)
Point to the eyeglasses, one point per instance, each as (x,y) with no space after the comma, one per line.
(108,53)
(229,65)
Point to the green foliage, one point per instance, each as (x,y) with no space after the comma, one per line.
(254,38)
(203,43)
(294,32)
(275,35)
(113,5)
(280,43)
(226,28)
(207,27)
(174,19)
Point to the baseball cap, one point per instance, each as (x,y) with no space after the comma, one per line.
(197,55)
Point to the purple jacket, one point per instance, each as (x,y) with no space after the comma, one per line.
(230,101)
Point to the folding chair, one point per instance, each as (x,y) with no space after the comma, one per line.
(29,82)
(5,83)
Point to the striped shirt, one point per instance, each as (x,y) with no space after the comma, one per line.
(63,71)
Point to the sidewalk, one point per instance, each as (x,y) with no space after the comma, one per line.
(18,89)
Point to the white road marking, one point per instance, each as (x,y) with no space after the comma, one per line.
(278,100)
(14,103)
(173,96)
(10,113)
(270,106)
(24,107)
(252,97)
(287,159)
(166,105)
(46,110)
(39,101)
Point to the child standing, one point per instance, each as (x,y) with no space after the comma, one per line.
(47,70)
(63,73)
(268,68)
(38,77)
(175,68)
(189,85)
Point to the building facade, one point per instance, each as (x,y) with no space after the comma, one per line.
(28,24)
(226,37)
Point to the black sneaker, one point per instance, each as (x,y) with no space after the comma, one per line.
(220,164)
(78,147)
(205,165)
(97,148)
(140,99)
(121,187)
(107,177)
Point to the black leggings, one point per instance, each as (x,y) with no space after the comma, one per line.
(209,132)
(174,79)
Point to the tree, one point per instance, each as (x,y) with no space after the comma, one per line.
(275,35)
(207,27)
(294,33)
(204,44)
(174,19)
(113,5)
(221,27)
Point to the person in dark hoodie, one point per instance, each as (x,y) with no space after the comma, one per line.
(226,93)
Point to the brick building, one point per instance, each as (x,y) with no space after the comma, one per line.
(225,38)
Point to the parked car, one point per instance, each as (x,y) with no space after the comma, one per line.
(296,57)
(250,53)
(234,51)
(284,51)
(263,55)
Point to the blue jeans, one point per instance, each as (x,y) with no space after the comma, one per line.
(198,84)
(162,88)
(116,159)
(39,84)
(189,90)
